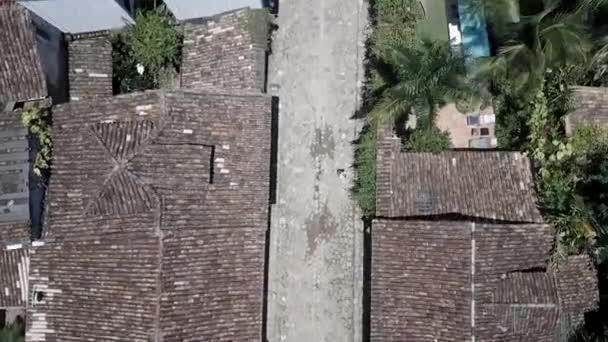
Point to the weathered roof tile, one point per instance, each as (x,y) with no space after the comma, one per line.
(487,184)
(591,105)
(148,237)
(21,76)
(452,280)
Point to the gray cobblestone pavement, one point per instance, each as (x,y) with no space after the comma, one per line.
(316,245)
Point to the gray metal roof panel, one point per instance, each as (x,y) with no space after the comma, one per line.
(194,9)
(80,16)
(14,175)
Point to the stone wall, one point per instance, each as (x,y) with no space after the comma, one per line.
(90,67)
(221,53)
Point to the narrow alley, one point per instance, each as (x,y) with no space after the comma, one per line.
(316,243)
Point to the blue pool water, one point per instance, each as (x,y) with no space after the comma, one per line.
(474,30)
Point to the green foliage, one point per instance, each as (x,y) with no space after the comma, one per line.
(511,122)
(429,140)
(154,45)
(395,23)
(37,120)
(12,333)
(153,40)
(259,23)
(423,76)
(364,190)
(554,34)
(573,183)
(513,106)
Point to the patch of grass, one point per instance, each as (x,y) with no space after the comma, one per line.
(395,22)
(434,25)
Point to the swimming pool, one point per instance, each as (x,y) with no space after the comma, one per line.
(462,22)
(473,28)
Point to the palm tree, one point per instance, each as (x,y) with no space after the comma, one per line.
(420,77)
(546,34)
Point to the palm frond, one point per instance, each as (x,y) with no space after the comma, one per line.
(426,75)
(587,5)
(565,39)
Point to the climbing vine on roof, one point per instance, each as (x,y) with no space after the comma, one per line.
(37,120)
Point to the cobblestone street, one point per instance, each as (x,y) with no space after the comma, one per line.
(316,247)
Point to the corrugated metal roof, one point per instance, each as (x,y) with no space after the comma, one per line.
(14,175)
(193,9)
(80,16)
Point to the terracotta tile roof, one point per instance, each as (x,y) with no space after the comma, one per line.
(575,278)
(14,266)
(591,105)
(14,232)
(21,76)
(450,280)
(488,184)
(90,66)
(221,53)
(420,289)
(158,215)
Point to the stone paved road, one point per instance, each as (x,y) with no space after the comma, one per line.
(316,247)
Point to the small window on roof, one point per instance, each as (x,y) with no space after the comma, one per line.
(425,201)
(38,297)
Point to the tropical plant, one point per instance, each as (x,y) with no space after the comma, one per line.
(154,41)
(37,120)
(429,140)
(537,36)
(147,53)
(421,77)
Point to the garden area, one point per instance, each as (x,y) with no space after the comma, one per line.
(540,50)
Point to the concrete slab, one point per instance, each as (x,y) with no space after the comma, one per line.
(316,247)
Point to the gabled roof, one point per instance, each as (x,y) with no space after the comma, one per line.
(158,214)
(591,105)
(486,184)
(80,16)
(21,76)
(194,9)
(451,281)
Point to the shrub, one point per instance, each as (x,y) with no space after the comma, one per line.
(364,190)
(572,183)
(154,41)
(429,140)
(152,45)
